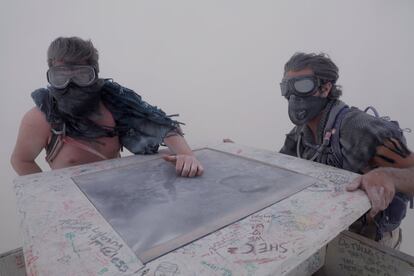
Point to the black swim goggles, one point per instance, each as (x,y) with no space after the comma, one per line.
(300,86)
(82,75)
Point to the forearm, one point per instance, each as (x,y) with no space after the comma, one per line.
(403,179)
(186,164)
(25,167)
(178,145)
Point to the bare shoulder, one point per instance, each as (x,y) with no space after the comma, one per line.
(33,136)
(35,117)
(35,121)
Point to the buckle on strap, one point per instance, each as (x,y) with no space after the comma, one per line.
(59,132)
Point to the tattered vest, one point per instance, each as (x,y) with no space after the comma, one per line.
(141,127)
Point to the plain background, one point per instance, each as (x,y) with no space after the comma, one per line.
(218,63)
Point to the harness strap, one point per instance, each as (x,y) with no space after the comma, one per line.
(71,141)
(59,138)
(55,142)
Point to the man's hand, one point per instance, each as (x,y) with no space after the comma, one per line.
(185,165)
(379,187)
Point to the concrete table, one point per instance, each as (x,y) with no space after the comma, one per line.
(63,234)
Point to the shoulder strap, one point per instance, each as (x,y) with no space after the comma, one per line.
(335,142)
(331,131)
(55,143)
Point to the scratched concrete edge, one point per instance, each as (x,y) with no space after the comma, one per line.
(283,161)
(24,182)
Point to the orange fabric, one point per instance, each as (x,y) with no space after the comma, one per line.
(386,151)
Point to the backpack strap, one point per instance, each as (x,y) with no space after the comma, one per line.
(335,142)
(331,133)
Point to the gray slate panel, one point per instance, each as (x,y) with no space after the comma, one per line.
(155,211)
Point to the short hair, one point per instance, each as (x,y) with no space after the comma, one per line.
(322,67)
(72,50)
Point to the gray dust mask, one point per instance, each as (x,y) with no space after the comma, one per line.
(78,101)
(303,109)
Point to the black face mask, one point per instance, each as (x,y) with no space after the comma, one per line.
(77,101)
(303,109)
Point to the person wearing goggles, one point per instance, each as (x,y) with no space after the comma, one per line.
(81,118)
(82,75)
(300,86)
(306,94)
(329,132)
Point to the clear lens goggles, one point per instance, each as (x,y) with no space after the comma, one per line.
(300,86)
(82,75)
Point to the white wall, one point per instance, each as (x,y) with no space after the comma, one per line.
(217,63)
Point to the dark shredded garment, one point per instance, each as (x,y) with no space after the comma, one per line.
(140,126)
